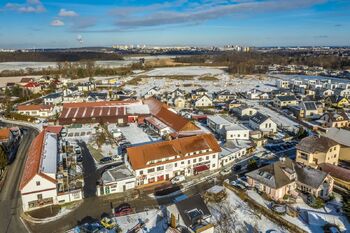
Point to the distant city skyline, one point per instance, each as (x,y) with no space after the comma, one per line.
(68,23)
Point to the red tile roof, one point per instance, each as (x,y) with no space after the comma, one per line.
(32,107)
(32,85)
(4,133)
(54,129)
(33,160)
(98,104)
(173,120)
(138,156)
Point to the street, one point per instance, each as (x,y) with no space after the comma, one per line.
(10,200)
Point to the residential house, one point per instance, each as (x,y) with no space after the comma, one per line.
(53,98)
(223,96)
(162,161)
(33,87)
(263,123)
(337,119)
(190,215)
(282,83)
(87,86)
(342,92)
(309,108)
(198,93)
(336,101)
(203,101)
(341,136)
(236,132)
(36,110)
(282,101)
(25,81)
(244,111)
(286,177)
(154,91)
(314,150)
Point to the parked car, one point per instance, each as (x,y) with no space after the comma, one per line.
(80,159)
(108,223)
(105,160)
(122,210)
(237,167)
(178,179)
(90,227)
(225,171)
(237,185)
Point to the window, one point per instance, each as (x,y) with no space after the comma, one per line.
(141,172)
(188,161)
(182,162)
(40,196)
(37,183)
(150,170)
(195,160)
(175,164)
(207,158)
(213,156)
(161,168)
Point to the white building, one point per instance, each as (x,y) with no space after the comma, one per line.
(116,180)
(282,83)
(263,123)
(36,110)
(162,161)
(38,184)
(203,101)
(236,131)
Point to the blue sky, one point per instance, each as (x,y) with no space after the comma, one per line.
(75,23)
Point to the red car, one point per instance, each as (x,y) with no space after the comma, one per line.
(123,209)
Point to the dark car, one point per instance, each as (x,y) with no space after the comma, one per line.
(237,167)
(122,210)
(106,160)
(80,159)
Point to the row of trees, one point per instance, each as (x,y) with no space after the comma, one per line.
(53,56)
(257,62)
(72,70)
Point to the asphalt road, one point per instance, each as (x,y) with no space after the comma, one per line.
(10,199)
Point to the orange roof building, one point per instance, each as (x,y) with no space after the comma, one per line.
(164,160)
(162,113)
(38,183)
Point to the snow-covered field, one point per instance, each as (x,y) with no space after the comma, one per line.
(235,214)
(109,63)
(186,70)
(317,217)
(157,78)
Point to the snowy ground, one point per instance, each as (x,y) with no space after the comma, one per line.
(240,217)
(187,70)
(104,63)
(317,217)
(157,78)
(155,221)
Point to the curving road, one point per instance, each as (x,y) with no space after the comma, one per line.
(10,198)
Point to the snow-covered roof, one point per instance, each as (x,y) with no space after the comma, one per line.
(219,120)
(138,109)
(49,154)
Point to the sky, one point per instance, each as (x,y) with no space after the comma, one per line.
(80,23)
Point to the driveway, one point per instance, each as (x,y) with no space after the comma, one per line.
(90,172)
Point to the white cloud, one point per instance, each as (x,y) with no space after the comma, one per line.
(67,13)
(31,6)
(57,23)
